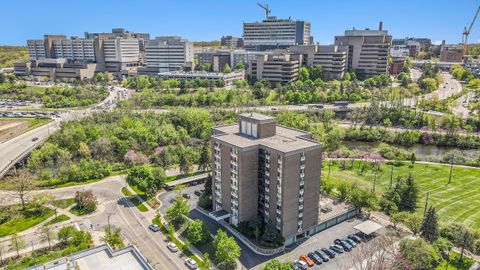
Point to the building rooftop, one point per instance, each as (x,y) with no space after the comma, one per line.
(285,140)
(100,258)
(258,116)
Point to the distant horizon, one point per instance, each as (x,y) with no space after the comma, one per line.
(209,20)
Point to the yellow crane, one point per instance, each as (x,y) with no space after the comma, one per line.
(466,32)
(267,10)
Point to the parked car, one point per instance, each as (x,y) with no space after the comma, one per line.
(186,196)
(346,246)
(172,247)
(315,258)
(198,193)
(351,242)
(191,263)
(307,260)
(329,252)
(322,255)
(355,238)
(35,139)
(300,264)
(337,248)
(154,227)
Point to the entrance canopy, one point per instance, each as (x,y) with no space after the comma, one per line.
(368,227)
(219,215)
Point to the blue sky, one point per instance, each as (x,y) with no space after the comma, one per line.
(210,19)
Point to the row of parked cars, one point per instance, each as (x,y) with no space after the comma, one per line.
(28,114)
(323,255)
(190,263)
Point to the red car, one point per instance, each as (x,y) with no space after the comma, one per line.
(307,260)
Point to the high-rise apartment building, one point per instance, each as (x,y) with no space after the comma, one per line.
(368,50)
(266,170)
(278,67)
(273,33)
(170,53)
(36,49)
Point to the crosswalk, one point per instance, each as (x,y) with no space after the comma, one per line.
(119,199)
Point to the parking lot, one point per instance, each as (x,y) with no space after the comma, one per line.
(169,196)
(320,240)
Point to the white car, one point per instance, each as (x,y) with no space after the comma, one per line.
(191,263)
(172,247)
(301,264)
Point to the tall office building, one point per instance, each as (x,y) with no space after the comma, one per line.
(273,33)
(368,50)
(75,49)
(332,58)
(266,170)
(168,53)
(232,42)
(119,53)
(36,49)
(278,67)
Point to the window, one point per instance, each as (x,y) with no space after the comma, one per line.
(244,127)
(254,130)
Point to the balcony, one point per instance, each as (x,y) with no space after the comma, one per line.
(302,158)
(302,167)
(300,199)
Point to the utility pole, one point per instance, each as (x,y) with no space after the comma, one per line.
(391,175)
(451,170)
(426,204)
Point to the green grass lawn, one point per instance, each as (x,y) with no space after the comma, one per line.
(65,203)
(58,219)
(14,220)
(139,204)
(81,212)
(126,192)
(457,202)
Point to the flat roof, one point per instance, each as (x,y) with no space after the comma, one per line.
(368,227)
(285,140)
(101,258)
(187,179)
(258,116)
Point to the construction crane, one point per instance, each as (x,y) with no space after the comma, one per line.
(267,10)
(466,32)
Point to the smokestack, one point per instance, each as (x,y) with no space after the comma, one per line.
(380,26)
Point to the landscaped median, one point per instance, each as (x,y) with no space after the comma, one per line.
(134,199)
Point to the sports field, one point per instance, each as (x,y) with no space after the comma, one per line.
(458,201)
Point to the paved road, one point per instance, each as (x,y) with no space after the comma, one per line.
(448,88)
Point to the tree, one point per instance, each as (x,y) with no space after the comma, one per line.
(414,222)
(226,69)
(86,201)
(227,251)
(413,158)
(398,217)
(277,265)
(239,66)
(178,211)
(22,184)
(303,74)
(408,195)
(16,243)
(113,237)
(362,198)
(430,225)
(205,157)
(419,253)
(198,233)
(47,235)
(38,201)
(146,178)
(316,72)
(206,260)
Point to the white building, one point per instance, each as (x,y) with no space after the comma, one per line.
(274,33)
(75,49)
(170,53)
(120,53)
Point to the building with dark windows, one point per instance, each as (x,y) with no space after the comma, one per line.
(261,169)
